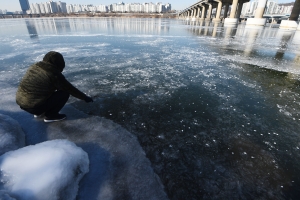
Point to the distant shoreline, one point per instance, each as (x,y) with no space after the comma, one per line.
(91,15)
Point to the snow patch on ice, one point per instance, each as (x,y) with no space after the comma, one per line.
(50,170)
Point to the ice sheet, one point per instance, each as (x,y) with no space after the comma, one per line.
(204,107)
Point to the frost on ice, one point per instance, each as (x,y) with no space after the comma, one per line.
(49,170)
(12,136)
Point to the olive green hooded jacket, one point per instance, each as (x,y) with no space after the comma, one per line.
(42,79)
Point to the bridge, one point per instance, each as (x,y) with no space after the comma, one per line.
(202,10)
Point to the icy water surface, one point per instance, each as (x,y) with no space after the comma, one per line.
(215,109)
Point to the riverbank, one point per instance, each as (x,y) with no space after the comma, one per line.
(127,15)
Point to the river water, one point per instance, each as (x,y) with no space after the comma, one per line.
(216,109)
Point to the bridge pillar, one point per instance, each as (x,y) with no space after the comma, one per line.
(192,13)
(202,8)
(292,22)
(203,11)
(226,10)
(209,12)
(239,11)
(219,9)
(188,14)
(232,21)
(258,19)
(198,13)
(233,8)
(195,12)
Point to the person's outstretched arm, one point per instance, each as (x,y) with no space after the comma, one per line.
(63,84)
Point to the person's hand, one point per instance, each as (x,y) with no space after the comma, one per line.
(88,99)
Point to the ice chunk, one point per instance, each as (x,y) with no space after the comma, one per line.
(12,136)
(50,170)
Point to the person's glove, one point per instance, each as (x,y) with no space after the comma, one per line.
(88,99)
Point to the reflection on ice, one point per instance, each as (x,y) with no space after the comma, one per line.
(31,29)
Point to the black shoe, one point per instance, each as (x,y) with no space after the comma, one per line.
(55,118)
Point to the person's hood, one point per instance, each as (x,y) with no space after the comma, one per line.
(55,59)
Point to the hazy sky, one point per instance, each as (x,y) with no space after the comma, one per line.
(14,5)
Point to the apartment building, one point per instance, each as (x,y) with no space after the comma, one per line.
(124,8)
(272,8)
(48,7)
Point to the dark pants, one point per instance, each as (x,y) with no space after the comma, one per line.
(52,105)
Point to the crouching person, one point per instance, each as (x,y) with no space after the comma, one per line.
(44,91)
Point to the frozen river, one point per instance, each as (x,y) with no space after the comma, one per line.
(217,110)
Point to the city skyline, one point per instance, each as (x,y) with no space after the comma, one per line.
(14,5)
(62,7)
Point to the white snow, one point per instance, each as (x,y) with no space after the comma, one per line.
(11,134)
(50,170)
